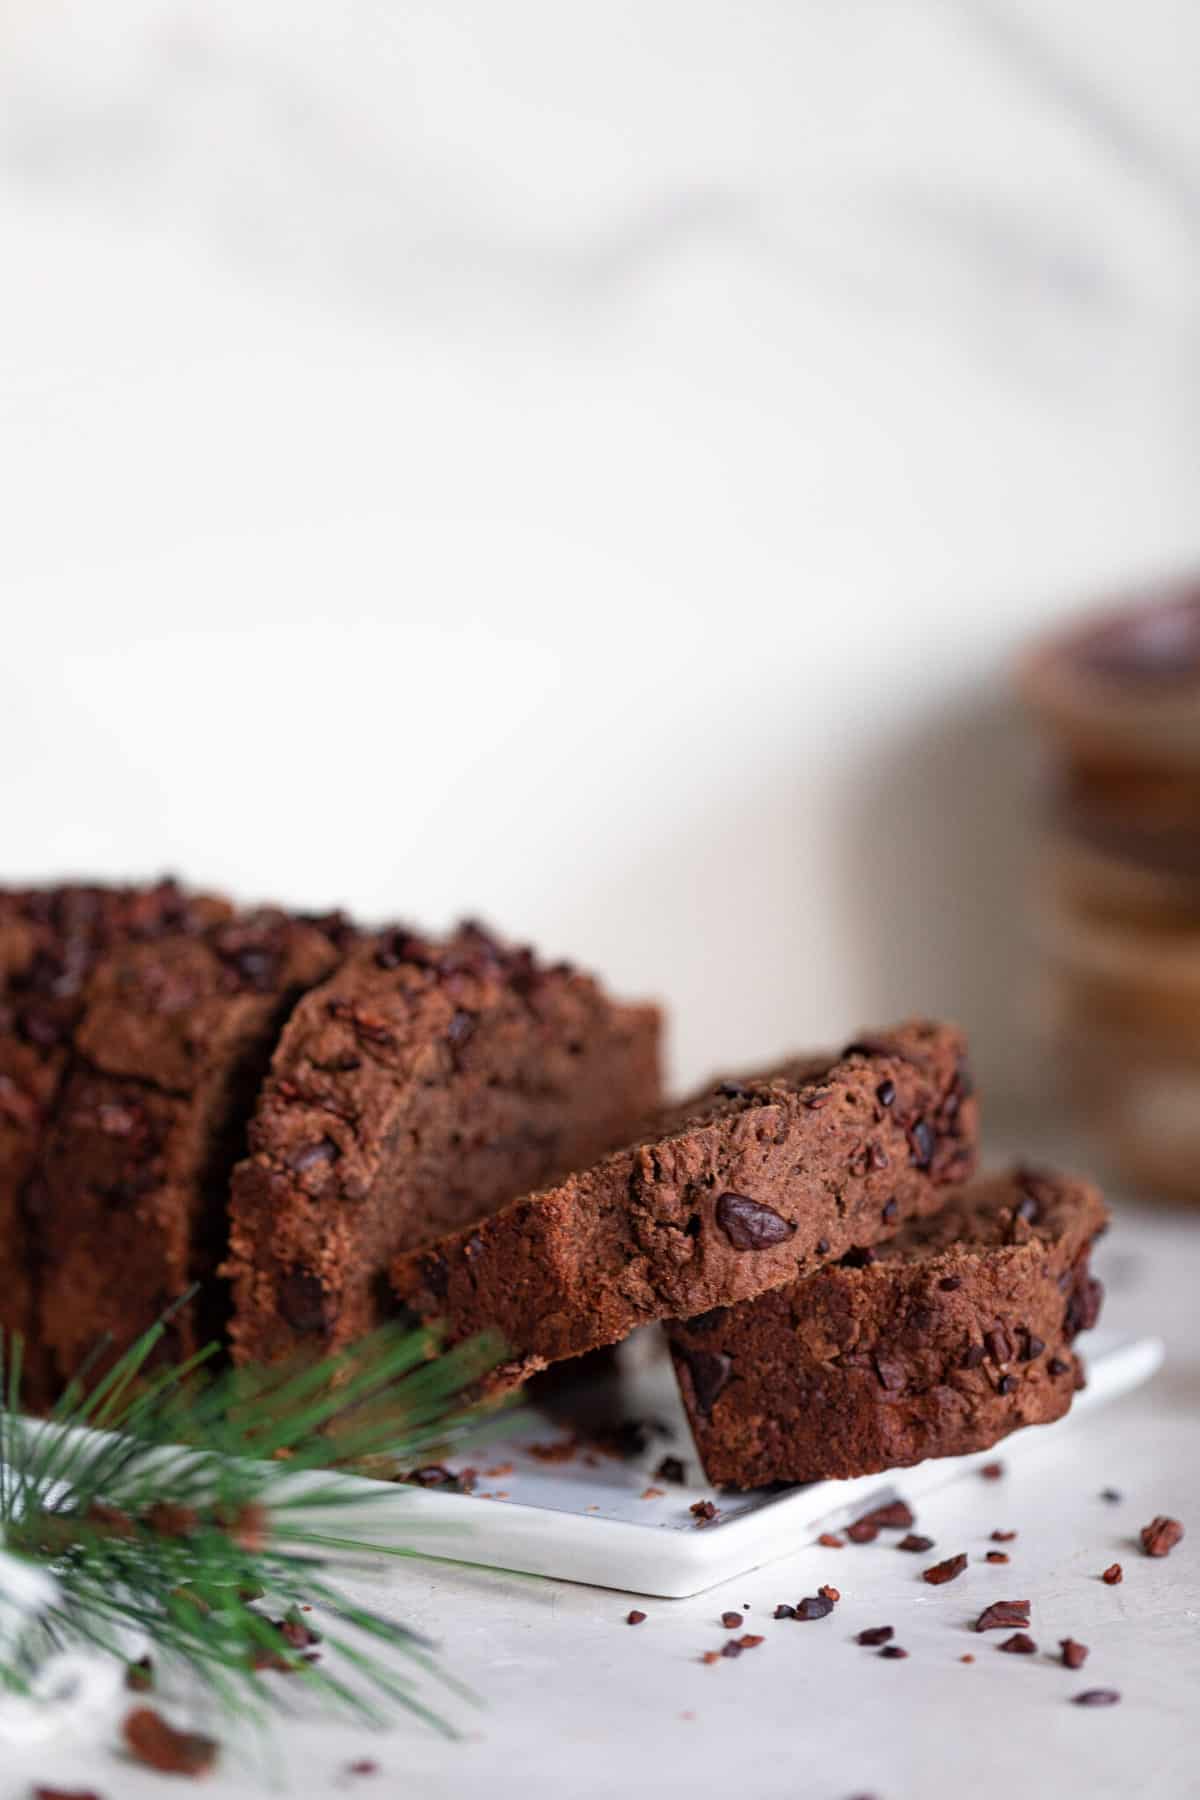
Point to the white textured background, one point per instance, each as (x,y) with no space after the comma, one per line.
(587,465)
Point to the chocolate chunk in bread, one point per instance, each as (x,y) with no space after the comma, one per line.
(759,1181)
(956,1333)
(422,1087)
(50,940)
(129,1202)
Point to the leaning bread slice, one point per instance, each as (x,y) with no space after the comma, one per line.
(757,1182)
(954,1333)
(423,1086)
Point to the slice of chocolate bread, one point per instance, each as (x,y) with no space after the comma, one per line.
(50,940)
(755,1183)
(129,1202)
(956,1333)
(422,1087)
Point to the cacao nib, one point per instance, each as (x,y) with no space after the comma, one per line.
(157,1744)
(942,1572)
(1002,1614)
(749,1225)
(922,1142)
(816,1606)
(302,1301)
(313,1156)
(709,1370)
(897,1515)
(1161,1535)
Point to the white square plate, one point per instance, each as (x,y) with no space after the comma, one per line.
(587,1516)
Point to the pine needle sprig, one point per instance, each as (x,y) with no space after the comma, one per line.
(163,1503)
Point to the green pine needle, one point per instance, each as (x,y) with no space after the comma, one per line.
(160,1499)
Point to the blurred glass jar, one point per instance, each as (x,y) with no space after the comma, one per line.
(1118,697)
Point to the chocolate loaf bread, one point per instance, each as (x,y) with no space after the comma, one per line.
(128,1205)
(756,1183)
(958,1331)
(50,940)
(419,1089)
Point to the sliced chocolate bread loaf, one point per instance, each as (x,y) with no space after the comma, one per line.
(753,1184)
(50,940)
(422,1087)
(956,1332)
(129,1202)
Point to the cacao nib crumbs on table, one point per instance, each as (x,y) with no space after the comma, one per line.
(152,1741)
(942,1572)
(1003,1537)
(992,1471)
(635,1617)
(1161,1535)
(893,1652)
(731,1620)
(1003,1613)
(967,1658)
(704,1512)
(1074,1655)
(915,1542)
(896,1516)
(829,1540)
(996,1556)
(875,1634)
(862,1533)
(1096,1697)
(364,1766)
(732,1648)
(53,1793)
(750,1640)
(1019,1644)
(815,1606)
(652,1493)
(1112,1495)
(784,1611)
(830,1593)
(711,1656)
(1112,1575)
